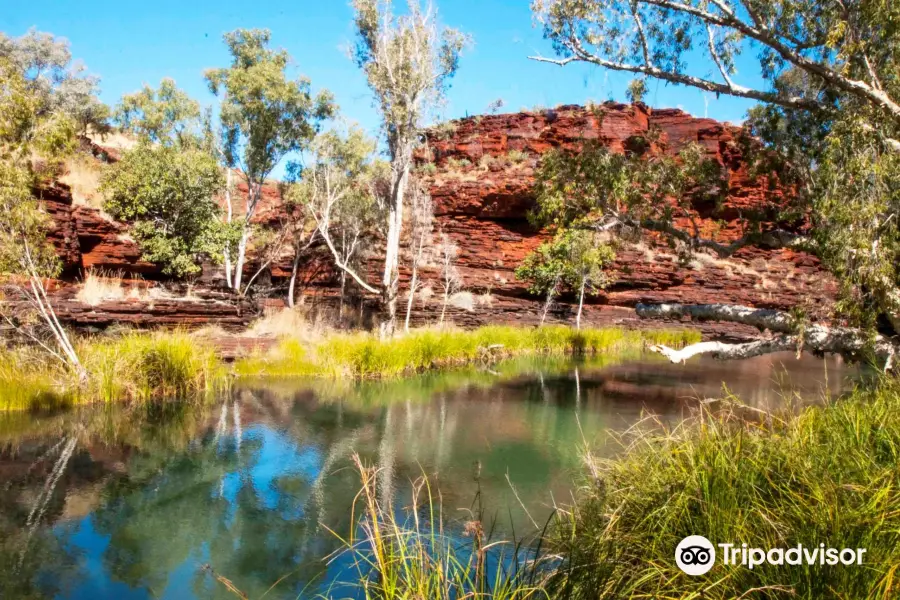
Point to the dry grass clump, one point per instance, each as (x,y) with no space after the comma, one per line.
(82,173)
(287,323)
(101,286)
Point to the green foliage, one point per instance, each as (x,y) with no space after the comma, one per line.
(168,194)
(264,115)
(596,186)
(31,121)
(827,474)
(364,355)
(586,258)
(24,247)
(830,110)
(55,85)
(636,91)
(543,269)
(572,258)
(166,116)
(408,64)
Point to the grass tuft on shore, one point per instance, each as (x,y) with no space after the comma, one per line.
(142,366)
(364,355)
(824,475)
(135,367)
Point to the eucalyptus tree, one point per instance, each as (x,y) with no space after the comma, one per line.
(408,61)
(166,186)
(336,188)
(543,269)
(61,85)
(451,280)
(33,123)
(577,259)
(588,257)
(265,116)
(829,107)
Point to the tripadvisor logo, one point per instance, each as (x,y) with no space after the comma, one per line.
(695,555)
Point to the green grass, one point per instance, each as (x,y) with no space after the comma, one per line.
(824,475)
(363,355)
(136,367)
(140,366)
(395,557)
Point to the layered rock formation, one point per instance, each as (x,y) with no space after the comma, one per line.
(480,173)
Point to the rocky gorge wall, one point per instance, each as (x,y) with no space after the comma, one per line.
(480,172)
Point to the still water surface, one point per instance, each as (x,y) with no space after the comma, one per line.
(132,503)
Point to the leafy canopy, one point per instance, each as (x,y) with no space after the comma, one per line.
(830,107)
(167,116)
(408,63)
(56,84)
(166,187)
(264,115)
(168,195)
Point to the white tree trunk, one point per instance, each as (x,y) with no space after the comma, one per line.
(229,215)
(390,278)
(820,339)
(292,286)
(444,305)
(580,305)
(413,284)
(548,302)
(343,289)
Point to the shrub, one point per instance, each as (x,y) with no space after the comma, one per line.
(517,156)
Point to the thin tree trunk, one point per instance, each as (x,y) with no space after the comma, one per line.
(293,284)
(253,191)
(580,306)
(444,307)
(341,304)
(229,216)
(413,283)
(548,302)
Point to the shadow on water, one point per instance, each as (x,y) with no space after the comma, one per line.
(131,503)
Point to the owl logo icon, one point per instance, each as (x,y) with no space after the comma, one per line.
(695,555)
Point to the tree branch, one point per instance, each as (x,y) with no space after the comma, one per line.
(820,339)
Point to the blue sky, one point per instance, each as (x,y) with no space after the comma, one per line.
(131,43)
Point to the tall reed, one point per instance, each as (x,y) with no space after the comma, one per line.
(826,475)
(399,553)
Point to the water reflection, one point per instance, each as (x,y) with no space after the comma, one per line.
(131,503)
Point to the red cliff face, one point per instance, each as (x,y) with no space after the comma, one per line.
(481,181)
